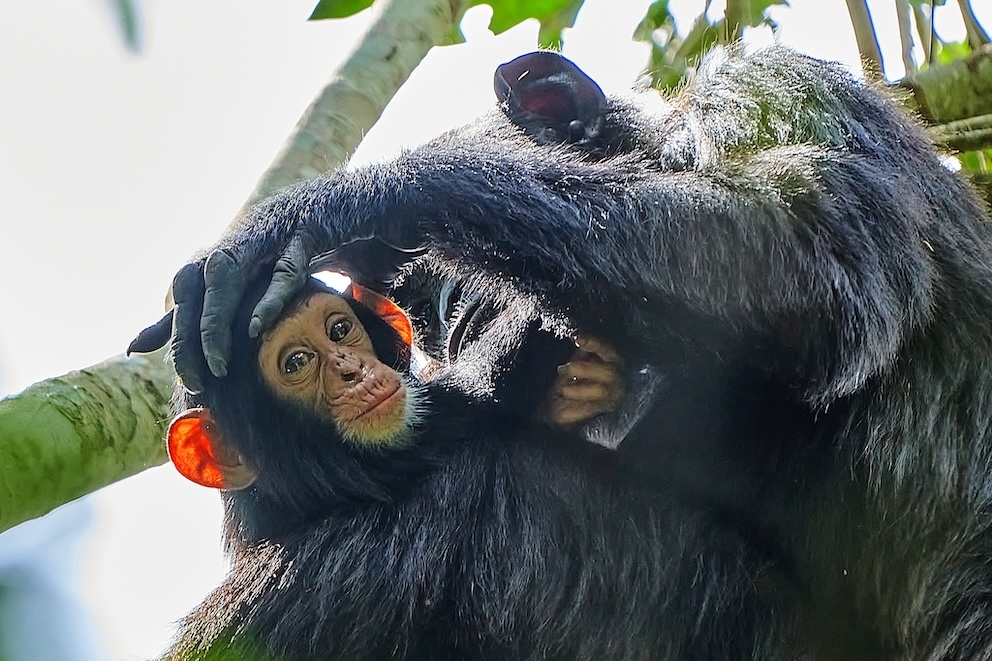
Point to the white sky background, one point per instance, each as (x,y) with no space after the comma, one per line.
(115,168)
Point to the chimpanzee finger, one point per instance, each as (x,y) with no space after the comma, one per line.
(154,337)
(584,391)
(596,347)
(223,282)
(187,292)
(288,276)
(578,369)
(565,413)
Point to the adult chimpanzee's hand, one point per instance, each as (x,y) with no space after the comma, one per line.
(192,334)
(206,294)
(315,224)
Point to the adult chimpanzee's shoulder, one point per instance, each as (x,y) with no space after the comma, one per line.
(775,96)
(808,475)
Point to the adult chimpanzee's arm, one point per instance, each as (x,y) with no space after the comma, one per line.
(777,238)
(751,198)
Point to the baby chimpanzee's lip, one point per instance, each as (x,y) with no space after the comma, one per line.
(399,390)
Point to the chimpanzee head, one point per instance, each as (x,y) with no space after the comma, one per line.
(309,412)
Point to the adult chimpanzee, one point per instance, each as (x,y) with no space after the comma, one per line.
(373,516)
(784,250)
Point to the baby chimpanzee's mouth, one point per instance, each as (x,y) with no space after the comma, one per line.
(383,401)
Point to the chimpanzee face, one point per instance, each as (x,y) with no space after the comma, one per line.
(331,369)
(320,357)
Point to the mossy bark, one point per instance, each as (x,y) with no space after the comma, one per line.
(65,437)
(400,35)
(956,90)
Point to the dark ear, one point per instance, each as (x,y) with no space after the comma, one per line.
(385,309)
(550,98)
(199,452)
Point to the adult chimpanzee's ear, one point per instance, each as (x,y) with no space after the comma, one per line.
(551,98)
(385,309)
(199,452)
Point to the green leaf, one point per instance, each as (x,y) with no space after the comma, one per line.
(760,7)
(673,54)
(976,161)
(552,25)
(657,16)
(338,8)
(128,18)
(657,28)
(510,13)
(953,50)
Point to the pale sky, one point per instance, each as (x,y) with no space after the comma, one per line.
(116,167)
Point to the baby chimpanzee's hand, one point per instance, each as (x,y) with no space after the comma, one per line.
(587,385)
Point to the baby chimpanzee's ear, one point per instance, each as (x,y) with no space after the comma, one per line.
(385,309)
(199,452)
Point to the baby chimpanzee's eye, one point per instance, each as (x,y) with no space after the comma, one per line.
(297,361)
(339,330)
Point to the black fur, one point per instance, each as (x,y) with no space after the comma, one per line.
(488,537)
(785,249)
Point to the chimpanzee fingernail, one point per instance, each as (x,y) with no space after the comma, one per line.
(563,368)
(254,327)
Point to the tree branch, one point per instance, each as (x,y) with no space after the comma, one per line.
(924,29)
(956,90)
(905,35)
(67,436)
(330,130)
(965,134)
(864,32)
(737,15)
(977,36)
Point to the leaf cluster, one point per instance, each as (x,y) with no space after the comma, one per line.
(553,15)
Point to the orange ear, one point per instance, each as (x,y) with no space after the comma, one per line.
(385,309)
(199,452)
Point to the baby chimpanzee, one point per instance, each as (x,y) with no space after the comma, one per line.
(372,513)
(345,360)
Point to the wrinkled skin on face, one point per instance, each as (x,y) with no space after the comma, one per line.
(320,357)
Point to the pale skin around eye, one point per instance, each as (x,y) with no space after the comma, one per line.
(319,355)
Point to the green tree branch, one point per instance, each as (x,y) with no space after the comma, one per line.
(330,130)
(864,33)
(65,437)
(70,435)
(956,90)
